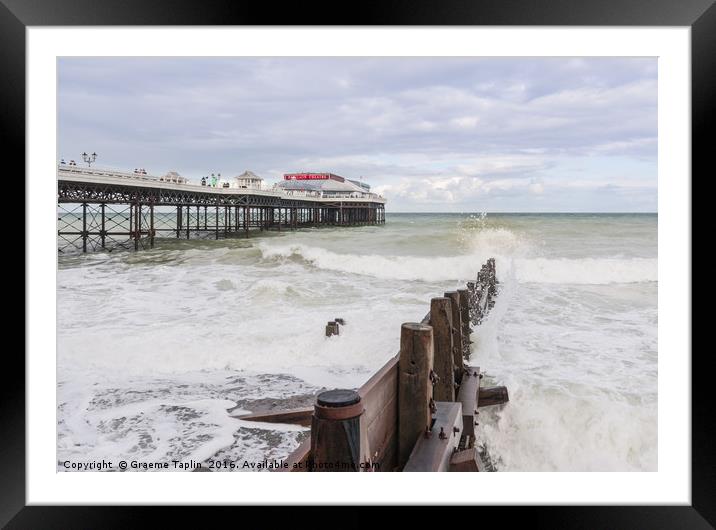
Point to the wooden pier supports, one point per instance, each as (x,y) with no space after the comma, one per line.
(415,387)
(335,431)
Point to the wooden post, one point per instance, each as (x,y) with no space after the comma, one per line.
(414,386)
(335,431)
(465,321)
(444,366)
(332,328)
(456,333)
(496,395)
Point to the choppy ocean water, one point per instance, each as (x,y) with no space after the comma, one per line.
(154,347)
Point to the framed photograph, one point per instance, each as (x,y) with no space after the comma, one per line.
(449,240)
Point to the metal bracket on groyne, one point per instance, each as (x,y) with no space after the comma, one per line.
(419,411)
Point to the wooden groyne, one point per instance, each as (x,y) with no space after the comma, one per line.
(419,412)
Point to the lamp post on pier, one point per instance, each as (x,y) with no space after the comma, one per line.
(89,158)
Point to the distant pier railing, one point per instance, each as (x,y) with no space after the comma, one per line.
(419,412)
(106,210)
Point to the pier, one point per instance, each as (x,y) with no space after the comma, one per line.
(419,411)
(100,209)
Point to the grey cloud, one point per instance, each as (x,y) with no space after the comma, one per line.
(386,119)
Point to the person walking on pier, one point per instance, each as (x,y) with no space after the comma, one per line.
(203,181)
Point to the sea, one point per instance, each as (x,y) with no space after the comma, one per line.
(159,350)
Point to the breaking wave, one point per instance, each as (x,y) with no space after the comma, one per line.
(525,270)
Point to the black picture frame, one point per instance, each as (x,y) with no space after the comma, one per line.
(700,15)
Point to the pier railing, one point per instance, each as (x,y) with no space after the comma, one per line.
(419,411)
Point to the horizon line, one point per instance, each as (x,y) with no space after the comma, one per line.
(530,212)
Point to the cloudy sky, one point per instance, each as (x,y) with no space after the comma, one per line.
(432,134)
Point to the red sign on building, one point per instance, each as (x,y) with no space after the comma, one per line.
(307,176)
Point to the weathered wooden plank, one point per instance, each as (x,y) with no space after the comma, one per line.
(444,364)
(380,417)
(467,396)
(381,433)
(432,453)
(456,332)
(414,386)
(463,297)
(294,416)
(466,460)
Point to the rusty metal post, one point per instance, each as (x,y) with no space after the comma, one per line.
(84,227)
(151,224)
(103,231)
(415,391)
(335,431)
(131,221)
(137,224)
(246,220)
(216,223)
